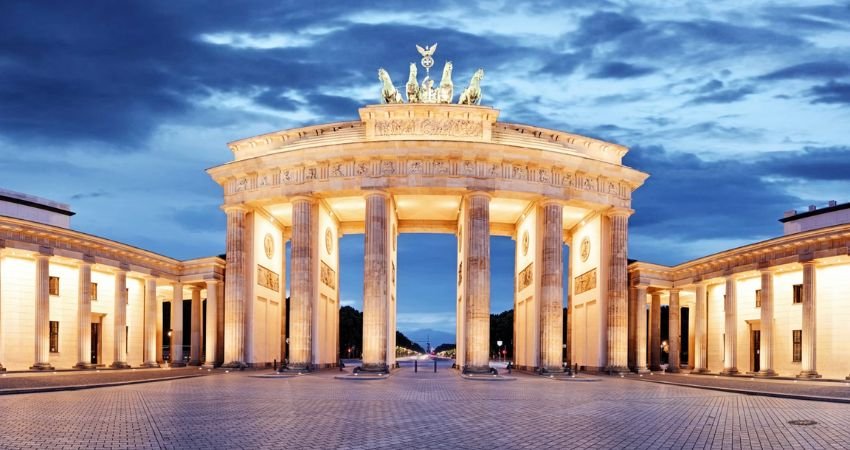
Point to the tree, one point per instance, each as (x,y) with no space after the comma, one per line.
(502,329)
(350,332)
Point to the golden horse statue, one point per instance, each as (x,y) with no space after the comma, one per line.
(389,94)
(472,94)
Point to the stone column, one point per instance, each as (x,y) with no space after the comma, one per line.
(84,314)
(150,323)
(552,288)
(640,329)
(119,322)
(730,310)
(2,354)
(211,324)
(177,325)
(195,348)
(477,286)
(375,289)
(700,335)
(809,366)
(655,332)
(234,286)
(675,333)
(301,289)
(632,326)
(618,307)
(42,310)
(766,347)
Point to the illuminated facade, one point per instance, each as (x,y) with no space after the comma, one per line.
(69,299)
(776,307)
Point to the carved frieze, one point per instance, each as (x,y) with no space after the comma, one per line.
(429,127)
(268,279)
(328,276)
(525,277)
(585,281)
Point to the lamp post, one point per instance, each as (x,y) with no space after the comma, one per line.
(499,343)
(170,348)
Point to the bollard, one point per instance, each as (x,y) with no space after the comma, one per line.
(275,365)
(435,366)
(575,372)
(415,366)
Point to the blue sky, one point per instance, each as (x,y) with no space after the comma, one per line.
(737,112)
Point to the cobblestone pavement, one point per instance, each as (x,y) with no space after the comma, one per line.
(407,410)
(9,382)
(824,389)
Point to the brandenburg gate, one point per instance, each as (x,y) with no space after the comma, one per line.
(426,166)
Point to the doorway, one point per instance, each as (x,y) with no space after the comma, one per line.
(756,344)
(95,343)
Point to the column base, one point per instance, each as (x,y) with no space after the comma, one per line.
(194,363)
(655,368)
(120,365)
(84,366)
(766,373)
(208,365)
(235,365)
(700,371)
(373,368)
(177,364)
(617,370)
(809,374)
(151,365)
(42,366)
(641,370)
(478,369)
(673,368)
(729,372)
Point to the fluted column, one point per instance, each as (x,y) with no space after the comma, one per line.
(809,362)
(195,347)
(655,332)
(301,287)
(552,288)
(478,284)
(766,338)
(150,323)
(618,306)
(730,310)
(375,289)
(675,335)
(42,310)
(700,336)
(640,329)
(211,324)
(84,315)
(119,321)
(2,354)
(234,287)
(177,325)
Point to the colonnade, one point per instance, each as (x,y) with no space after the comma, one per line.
(119,358)
(730,324)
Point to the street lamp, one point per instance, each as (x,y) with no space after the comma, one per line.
(499,343)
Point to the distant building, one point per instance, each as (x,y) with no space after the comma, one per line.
(70,299)
(775,307)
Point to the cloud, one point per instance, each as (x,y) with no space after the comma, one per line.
(831,92)
(723,96)
(621,70)
(817,69)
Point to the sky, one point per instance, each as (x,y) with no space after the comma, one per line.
(739,111)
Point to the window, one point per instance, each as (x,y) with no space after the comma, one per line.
(758,298)
(798,293)
(54,337)
(53,286)
(797,339)
(94,292)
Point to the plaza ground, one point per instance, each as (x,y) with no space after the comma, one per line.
(413,410)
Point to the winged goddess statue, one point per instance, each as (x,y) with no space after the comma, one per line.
(427,60)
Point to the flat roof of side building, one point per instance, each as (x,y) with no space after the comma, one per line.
(35,202)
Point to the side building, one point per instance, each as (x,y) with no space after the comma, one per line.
(779,307)
(72,300)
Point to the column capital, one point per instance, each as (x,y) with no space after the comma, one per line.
(378,192)
(617,211)
(546,201)
(302,198)
(809,263)
(212,282)
(674,290)
(236,207)
(478,193)
(45,252)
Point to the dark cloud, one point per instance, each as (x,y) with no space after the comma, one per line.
(564,63)
(604,27)
(818,69)
(723,96)
(95,194)
(811,163)
(621,70)
(831,92)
